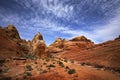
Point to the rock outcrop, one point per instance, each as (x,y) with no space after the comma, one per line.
(57,45)
(105,54)
(12,33)
(79,42)
(10,42)
(37,37)
(39,46)
(80,38)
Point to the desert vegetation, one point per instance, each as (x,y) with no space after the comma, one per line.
(28,68)
(71,71)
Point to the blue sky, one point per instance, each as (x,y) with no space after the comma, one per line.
(98,20)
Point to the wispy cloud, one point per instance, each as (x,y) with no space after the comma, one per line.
(54,7)
(47,16)
(108,31)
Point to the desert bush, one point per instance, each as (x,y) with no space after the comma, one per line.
(117,70)
(27,74)
(2,61)
(71,71)
(47,59)
(60,64)
(98,66)
(28,68)
(51,65)
(83,64)
(65,60)
(28,56)
(24,47)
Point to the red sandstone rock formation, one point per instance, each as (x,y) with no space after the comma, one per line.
(39,46)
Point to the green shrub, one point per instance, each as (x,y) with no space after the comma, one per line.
(98,66)
(117,70)
(60,64)
(51,65)
(2,61)
(28,56)
(83,64)
(28,68)
(65,60)
(71,71)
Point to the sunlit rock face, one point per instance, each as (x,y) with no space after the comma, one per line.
(79,42)
(39,46)
(11,45)
(37,37)
(12,32)
(57,45)
(80,38)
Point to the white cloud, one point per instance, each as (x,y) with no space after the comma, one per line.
(100,33)
(55,7)
(108,31)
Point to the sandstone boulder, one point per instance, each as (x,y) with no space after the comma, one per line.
(12,32)
(72,45)
(37,37)
(80,38)
(57,45)
(39,46)
(79,42)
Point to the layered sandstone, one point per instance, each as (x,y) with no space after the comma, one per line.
(39,46)
(79,42)
(57,45)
